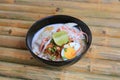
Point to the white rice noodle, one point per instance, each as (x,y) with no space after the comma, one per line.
(74,33)
(45,45)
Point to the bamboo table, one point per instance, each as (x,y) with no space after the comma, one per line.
(102,61)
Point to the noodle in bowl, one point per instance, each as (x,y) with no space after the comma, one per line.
(45,47)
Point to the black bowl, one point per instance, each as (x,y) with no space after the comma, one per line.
(52,20)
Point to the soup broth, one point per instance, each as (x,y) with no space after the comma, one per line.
(59,42)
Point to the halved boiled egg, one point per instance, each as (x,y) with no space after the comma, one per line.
(70,50)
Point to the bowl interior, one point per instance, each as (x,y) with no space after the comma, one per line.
(53,20)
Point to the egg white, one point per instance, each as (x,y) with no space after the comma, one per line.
(74,45)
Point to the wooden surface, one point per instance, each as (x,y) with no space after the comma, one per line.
(102,61)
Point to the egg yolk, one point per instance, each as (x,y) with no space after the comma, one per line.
(69,53)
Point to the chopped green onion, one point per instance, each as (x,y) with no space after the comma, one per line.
(53,57)
(49,49)
(65,49)
(52,50)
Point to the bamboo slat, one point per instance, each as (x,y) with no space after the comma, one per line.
(95,52)
(14,55)
(19,42)
(97,66)
(93,1)
(17,70)
(102,52)
(7,41)
(18,56)
(64,9)
(105,67)
(67,11)
(28,72)
(22,15)
(88,13)
(78,76)
(105,31)
(13,31)
(88,21)
(8,78)
(101,22)
(96,31)
(80,5)
(16,23)
(7,1)
(106,41)
(26,8)
(99,52)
